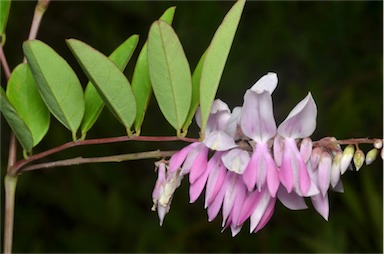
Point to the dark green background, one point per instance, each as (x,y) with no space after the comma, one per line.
(333,49)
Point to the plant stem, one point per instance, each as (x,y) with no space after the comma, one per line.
(10,180)
(40,9)
(15,169)
(10,188)
(113,158)
(4,63)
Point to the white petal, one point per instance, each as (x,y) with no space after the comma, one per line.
(233,122)
(301,121)
(291,200)
(321,204)
(219,141)
(236,160)
(267,82)
(257,120)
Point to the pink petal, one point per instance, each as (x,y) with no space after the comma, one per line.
(324,172)
(191,157)
(178,158)
(267,82)
(278,150)
(321,204)
(236,160)
(215,181)
(257,120)
(250,203)
(286,171)
(161,212)
(291,200)
(214,207)
(261,172)
(267,215)
(219,141)
(250,173)
(301,121)
(230,194)
(199,165)
(197,187)
(293,171)
(273,180)
(241,194)
(259,211)
(306,149)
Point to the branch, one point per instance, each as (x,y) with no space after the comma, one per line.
(113,158)
(4,63)
(16,168)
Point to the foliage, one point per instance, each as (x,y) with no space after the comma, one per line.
(83,207)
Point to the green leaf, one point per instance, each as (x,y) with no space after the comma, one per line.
(195,93)
(170,73)
(141,82)
(94,104)
(22,93)
(17,124)
(5,6)
(110,82)
(57,83)
(217,54)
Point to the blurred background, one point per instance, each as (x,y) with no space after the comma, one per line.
(331,48)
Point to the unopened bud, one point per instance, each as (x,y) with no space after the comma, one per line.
(378,143)
(346,158)
(306,149)
(358,159)
(315,157)
(371,156)
(335,169)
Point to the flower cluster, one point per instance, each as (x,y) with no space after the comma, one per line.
(246,163)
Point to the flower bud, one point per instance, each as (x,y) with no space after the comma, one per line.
(324,172)
(378,143)
(358,159)
(315,157)
(371,156)
(306,149)
(335,169)
(346,158)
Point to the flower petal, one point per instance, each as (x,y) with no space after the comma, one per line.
(217,106)
(233,122)
(219,141)
(324,172)
(191,157)
(278,150)
(251,201)
(257,120)
(236,160)
(291,200)
(197,187)
(215,180)
(321,204)
(214,207)
(178,158)
(199,165)
(267,82)
(301,121)
(259,211)
(267,215)
(229,197)
(250,173)
(306,149)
